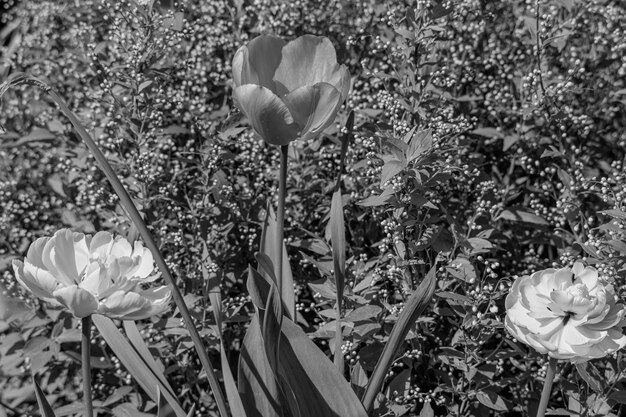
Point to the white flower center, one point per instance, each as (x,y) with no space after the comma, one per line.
(579,291)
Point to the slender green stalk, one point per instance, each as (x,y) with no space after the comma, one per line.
(134,215)
(86,364)
(547,388)
(280,217)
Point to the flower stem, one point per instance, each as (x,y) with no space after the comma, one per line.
(280,217)
(547,388)
(86,364)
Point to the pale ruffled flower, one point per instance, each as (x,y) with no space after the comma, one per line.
(92,275)
(289,90)
(569,314)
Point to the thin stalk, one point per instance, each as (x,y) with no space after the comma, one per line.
(86,364)
(280,217)
(547,388)
(134,215)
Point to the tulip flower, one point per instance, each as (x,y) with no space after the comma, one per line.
(289,90)
(92,275)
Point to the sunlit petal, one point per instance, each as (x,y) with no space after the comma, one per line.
(267,114)
(80,302)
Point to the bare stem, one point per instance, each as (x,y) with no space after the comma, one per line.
(280,217)
(547,388)
(86,364)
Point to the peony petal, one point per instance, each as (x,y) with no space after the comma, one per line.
(268,115)
(121,303)
(313,107)
(158,302)
(91,280)
(35,252)
(70,254)
(309,60)
(80,302)
(589,277)
(563,278)
(100,245)
(120,248)
(145,261)
(256,63)
(37,280)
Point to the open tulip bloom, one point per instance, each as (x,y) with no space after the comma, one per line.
(92,275)
(289,90)
(568,314)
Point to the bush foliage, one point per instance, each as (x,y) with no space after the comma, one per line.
(488,143)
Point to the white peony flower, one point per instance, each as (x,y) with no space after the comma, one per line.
(92,275)
(569,314)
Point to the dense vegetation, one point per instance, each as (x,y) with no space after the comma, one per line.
(488,142)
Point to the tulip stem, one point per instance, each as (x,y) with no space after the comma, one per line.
(547,388)
(280,217)
(86,364)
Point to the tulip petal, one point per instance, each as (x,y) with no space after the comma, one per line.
(313,107)
(256,63)
(35,252)
(36,280)
(70,254)
(79,301)
(100,245)
(268,115)
(309,60)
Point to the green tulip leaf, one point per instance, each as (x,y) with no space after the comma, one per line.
(268,247)
(135,363)
(419,300)
(44,406)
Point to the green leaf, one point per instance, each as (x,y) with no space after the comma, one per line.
(420,144)
(142,349)
(592,376)
(378,200)
(258,387)
(135,363)
(215,298)
(268,239)
(491,400)
(318,389)
(338,241)
(164,409)
(419,300)
(44,407)
(521,216)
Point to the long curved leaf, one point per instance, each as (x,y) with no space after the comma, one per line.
(268,247)
(135,363)
(419,300)
(44,405)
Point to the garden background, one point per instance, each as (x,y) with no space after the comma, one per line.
(488,141)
